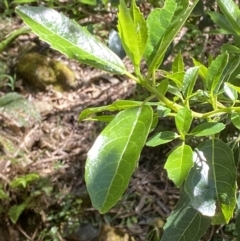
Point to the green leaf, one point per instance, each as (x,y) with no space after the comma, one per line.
(185,223)
(231,12)
(231,93)
(189,81)
(16,210)
(162,111)
(222,22)
(3,195)
(211,183)
(15,107)
(116,106)
(207,129)
(69,38)
(238,218)
(24,180)
(215,71)
(178,64)
(141,30)
(114,156)
(177,78)
(235,118)
(179,163)
(231,49)
(236,88)
(170,33)
(183,121)
(161,138)
(163,86)
(132,30)
(203,71)
(157,23)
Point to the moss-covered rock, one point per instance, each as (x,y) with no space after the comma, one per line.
(39,72)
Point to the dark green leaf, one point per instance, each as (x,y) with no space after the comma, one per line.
(207,129)
(161,138)
(211,183)
(69,38)
(235,118)
(185,223)
(238,218)
(179,163)
(221,22)
(16,210)
(231,12)
(231,49)
(114,156)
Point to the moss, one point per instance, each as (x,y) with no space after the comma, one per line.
(38,72)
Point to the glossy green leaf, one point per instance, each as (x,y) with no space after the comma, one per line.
(231,12)
(235,118)
(162,111)
(189,81)
(211,183)
(230,72)
(185,223)
(230,92)
(161,138)
(114,156)
(207,129)
(69,38)
(215,71)
(221,22)
(157,23)
(116,106)
(231,49)
(178,64)
(236,88)
(179,163)
(203,71)
(141,30)
(132,30)
(177,78)
(163,86)
(179,19)
(183,121)
(238,218)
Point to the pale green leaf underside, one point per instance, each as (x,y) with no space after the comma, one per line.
(69,38)
(211,183)
(114,156)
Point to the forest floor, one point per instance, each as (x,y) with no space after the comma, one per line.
(49,200)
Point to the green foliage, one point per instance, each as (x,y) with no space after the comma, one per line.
(203,165)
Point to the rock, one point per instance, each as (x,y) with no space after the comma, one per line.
(39,72)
